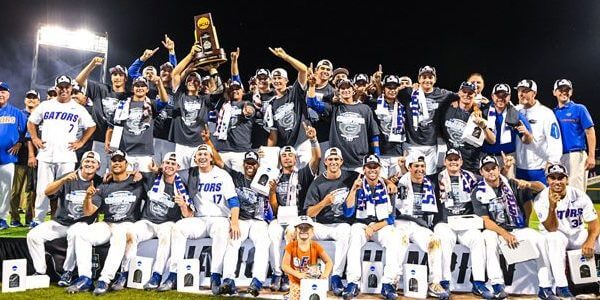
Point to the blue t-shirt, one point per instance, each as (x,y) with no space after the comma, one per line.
(13,125)
(573,119)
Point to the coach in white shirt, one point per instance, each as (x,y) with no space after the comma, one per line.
(546,146)
(62,117)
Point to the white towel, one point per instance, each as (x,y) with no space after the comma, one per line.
(505,134)
(223,121)
(406,206)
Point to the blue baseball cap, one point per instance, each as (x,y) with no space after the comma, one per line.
(4,86)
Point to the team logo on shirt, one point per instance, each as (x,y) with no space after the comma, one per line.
(159,203)
(109,105)
(137,122)
(349,124)
(250,202)
(191,111)
(455,128)
(119,203)
(75,204)
(8,120)
(284,115)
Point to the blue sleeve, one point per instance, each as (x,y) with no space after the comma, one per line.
(236,77)
(586,119)
(134,69)
(376,149)
(390,219)
(160,105)
(314,103)
(348,211)
(233,202)
(173,59)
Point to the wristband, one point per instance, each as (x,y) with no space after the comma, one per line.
(314,143)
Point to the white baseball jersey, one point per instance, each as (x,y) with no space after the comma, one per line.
(572,211)
(546,144)
(61,123)
(213,190)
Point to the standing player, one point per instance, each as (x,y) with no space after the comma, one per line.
(370,207)
(12,130)
(119,200)
(324,202)
(546,146)
(167,202)
(216,210)
(105,100)
(455,186)
(69,221)
(504,204)
(564,211)
(57,144)
(579,149)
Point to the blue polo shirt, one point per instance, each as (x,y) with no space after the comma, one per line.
(573,119)
(13,125)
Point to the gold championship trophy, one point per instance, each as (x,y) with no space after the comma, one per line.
(206,37)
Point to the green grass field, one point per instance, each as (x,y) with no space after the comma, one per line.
(55,292)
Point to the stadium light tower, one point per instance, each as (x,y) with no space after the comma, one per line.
(81,41)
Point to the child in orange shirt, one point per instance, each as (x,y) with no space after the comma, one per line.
(300,258)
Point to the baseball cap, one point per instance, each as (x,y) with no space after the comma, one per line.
(166,65)
(118,153)
(528,84)
(360,77)
(280,72)
(563,83)
(78,88)
(205,148)
(406,79)
(118,69)
(4,86)
(453,151)
(63,79)
(303,220)
(264,72)
(371,159)
(501,87)
(413,158)
(192,76)
(344,83)
(465,85)
(170,156)
(556,169)
(324,62)
(32,92)
(51,89)
(391,79)
(141,80)
(205,78)
(92,155)
(340,71)
(251,155)
(287,149)
(149,68)
(333,151)
(488,159)
(236,83)
(427,69)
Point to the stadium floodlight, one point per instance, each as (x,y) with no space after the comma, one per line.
(81,39)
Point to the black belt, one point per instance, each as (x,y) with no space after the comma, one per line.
(575,150)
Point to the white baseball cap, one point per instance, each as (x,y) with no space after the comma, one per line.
(334,151)
(91,154)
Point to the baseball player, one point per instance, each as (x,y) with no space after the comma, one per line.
(167,202)
(502,203)
(215,213)
(456,185)
(287,111)
(255,213)
(105,99)
(324,202)
(57,144)
(12,130)
(70,189)
(546,146)
(563,212)
(416,206)
(119,199)
(579,149)
(290,191)
(369,205)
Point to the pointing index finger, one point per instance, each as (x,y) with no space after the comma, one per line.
(380,68)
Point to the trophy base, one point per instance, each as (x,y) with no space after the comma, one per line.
(211,59)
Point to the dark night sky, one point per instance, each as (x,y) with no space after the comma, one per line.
(504,40)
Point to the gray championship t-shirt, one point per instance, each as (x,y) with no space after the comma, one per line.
(120,201)
(189,116)
(455,122)
(427,131)
(163,117)
(305,177)
(340,188)
(289,112)
(105,103)
(161,206)
(70,201)
(253,206)
(385,126)
(239,134)
(320,122)
(137,138)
